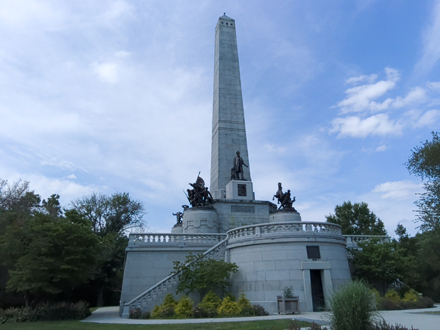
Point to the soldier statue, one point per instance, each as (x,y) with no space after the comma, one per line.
(284,199)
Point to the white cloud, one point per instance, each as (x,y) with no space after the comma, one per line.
(360,98)
(107,72)
(381,148)
(71,177)
(355,80)
(354,126)
(431,43)
(398,190)
(428,118)
(434,85)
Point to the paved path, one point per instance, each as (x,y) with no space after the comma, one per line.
(408,318)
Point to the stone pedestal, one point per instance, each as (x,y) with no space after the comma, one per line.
(284,216)
(240,189)
(177,229)
(199,220)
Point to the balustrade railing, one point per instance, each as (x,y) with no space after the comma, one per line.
(354,240)
(159,238)
(288,228)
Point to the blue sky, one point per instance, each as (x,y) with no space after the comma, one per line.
(107,96)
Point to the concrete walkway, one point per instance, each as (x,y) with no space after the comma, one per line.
(408,318)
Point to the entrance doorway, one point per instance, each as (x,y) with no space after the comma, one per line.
(317,290)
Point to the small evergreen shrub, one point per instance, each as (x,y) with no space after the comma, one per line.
(229,307)
(169,301)
(411,296)
(184,307)
(393,295)
(135,313)
(166,312)
(243,302)
(166,309)
(288,292)
(210,300)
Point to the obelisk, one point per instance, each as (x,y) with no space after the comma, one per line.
(228,126)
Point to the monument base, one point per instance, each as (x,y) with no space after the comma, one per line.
(240,189)
(200,220)
(284,216)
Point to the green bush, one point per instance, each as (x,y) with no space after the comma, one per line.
(352,307)
(47,312)
(229,308)
(243,302)
(166,309)
(210,300)
(393,295)
(169,301)
(184,307)
(410,295)
(146,315)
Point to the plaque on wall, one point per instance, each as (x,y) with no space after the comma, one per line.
(241,190)
(242,209)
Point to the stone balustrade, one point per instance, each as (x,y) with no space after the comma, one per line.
(161,239)
(354,240)
(285,228)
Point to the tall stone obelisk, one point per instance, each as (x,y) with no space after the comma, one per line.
(228,126)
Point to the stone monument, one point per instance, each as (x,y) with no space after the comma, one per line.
(272,247)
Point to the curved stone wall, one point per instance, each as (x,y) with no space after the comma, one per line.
(275,255)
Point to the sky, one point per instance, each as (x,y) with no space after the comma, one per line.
(116,96)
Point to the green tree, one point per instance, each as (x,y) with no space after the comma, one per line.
(356,219)
(425,162)
(45,253)
(381,263)
(201,274)
(110,217)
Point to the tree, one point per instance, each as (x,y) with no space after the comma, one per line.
(10,194)
(425,162)
(45,253)
(381,263)
(111,214)
(110,217)
(356,219)
(201,274)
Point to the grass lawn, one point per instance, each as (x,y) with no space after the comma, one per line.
(436,313)
(76,325)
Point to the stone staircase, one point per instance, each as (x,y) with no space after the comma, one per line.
(155,294)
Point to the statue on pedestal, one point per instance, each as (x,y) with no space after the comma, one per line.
(179,217)
(237,169)
(284,199)
(199,195)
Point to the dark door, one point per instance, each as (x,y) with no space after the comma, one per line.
(317,291)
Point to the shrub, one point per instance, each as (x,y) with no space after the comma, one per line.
(259,310)
(229,307)
(199,312)
(184,307)
(393,295)
(385,326)
(155,312)
(388,304)
(410,295)
(288,292)
(243,302)
(48,312)
(352,307)
(166,312)
(146,315)
(169,301)
(135,313)
(210,300)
